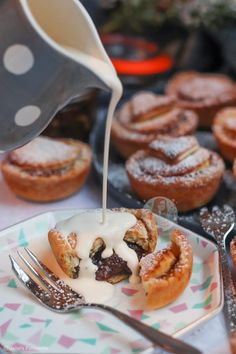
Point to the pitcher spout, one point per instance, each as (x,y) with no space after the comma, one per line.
(68,28)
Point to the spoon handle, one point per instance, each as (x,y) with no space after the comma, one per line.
(156,337)
(229,289)
(229,297)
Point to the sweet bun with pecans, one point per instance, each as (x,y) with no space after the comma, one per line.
(166,273)
(47,169)
(144,117)
(178,169)
(203,93)
(224,130)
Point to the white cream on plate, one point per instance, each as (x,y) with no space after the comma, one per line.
(88,227)
(92,290)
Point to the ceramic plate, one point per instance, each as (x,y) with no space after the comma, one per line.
(26,326)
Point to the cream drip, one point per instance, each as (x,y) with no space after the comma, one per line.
(111,226)
(108,75)
(88,227)
(92,290)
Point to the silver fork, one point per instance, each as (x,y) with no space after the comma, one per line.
(59,297)
(218,223)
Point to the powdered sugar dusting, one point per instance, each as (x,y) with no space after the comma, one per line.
(152,260)
(147,101)
(230,123)
(43,150)
(153,166)
(173,148)
(168,262)
(204,87)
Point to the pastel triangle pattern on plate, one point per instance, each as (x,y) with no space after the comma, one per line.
(24,323)
(22,239)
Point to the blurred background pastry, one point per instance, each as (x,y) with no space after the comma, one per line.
(47,169)
(224,130)
(203,93)
(145,116)
(178,169)
(233,250)
(76,119)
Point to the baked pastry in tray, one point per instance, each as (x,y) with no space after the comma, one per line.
(224,130)
(47,169)
(166,273)
(176,168)
(145,116)
(233,250)
(203,93)
(142,238)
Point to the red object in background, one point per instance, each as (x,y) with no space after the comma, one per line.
(136,56)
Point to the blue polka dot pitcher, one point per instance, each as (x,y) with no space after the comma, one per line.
(38,72)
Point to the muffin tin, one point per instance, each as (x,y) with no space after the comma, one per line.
(119,187)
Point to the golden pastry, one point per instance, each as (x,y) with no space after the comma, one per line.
(233,250)
(47,169)
(203,93)
(166,273)
(142,238)
(178,169)
(224,130)
(145,116)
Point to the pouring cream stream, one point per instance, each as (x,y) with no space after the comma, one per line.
(79,41)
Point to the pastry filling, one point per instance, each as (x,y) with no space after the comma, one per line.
(100,251)
(37,172)
(114,265)
(159,264)
(106,267)
(49,172)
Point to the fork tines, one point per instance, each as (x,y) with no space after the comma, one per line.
(45,285)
